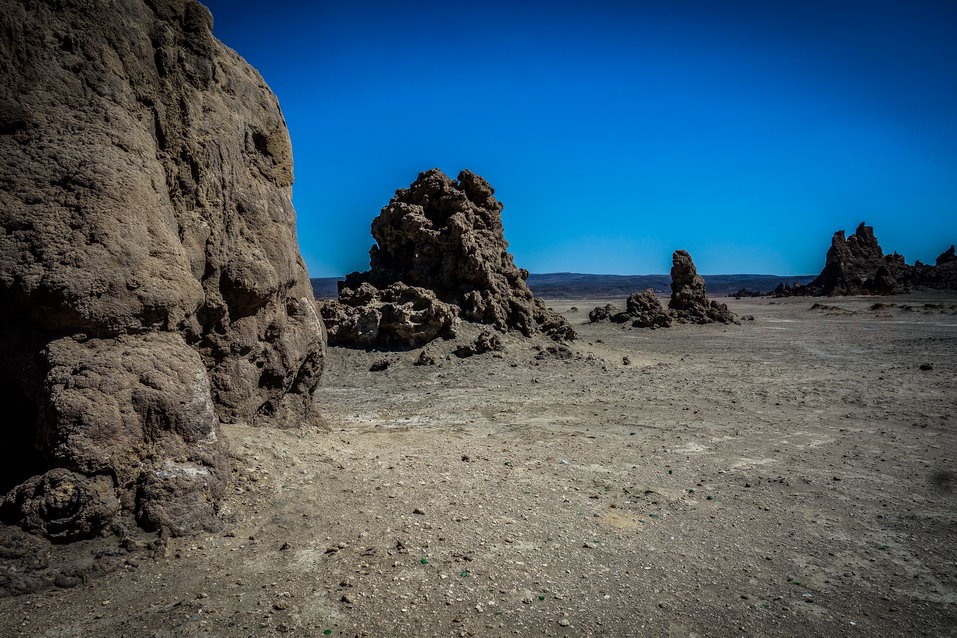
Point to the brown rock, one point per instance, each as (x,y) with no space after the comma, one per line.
(857,266)
(689,300)
(446,236)
(603,313)
(485,342)
(150,281)
(645,310)
(642,310)
(397,314)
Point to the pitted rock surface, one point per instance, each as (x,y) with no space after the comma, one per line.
(689,300)
(642,310)
(150,281)
(857,265)
(446,236)
(397,314)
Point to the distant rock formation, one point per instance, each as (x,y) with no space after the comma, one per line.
(747,292)
(689,300)
(444,236)
(857,265)
(942,275)
(150,281)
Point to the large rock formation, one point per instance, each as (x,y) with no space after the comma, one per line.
(150,281)
(689,300)
(444,236)
(857,265)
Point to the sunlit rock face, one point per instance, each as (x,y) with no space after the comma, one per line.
(151,285)
(446,237)
(689,300)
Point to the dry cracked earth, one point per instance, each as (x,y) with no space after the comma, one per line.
(790,476)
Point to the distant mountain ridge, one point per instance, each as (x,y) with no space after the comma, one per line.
(571,285)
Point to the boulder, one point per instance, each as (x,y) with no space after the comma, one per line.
(446,236)
(485,342)
(689,300)
(151,285)
(396,315)
(645,310)
(603,313)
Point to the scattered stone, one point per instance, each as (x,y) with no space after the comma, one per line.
(424,359)
(380,365)
(626,360)
(559,352)
(485,342)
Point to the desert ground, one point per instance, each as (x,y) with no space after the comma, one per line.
(794,475)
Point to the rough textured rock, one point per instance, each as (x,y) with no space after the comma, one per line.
(485,342)
(63,505)
(150,281)
(604,313)
(397,314)
(689,300)
(642,310)
(645,310)
(446,236)
(857,265)
(942,275)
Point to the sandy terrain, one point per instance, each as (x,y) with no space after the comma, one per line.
(790,476)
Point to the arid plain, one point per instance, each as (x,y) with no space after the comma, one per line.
(793,475)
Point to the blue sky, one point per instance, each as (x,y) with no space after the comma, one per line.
(745,132)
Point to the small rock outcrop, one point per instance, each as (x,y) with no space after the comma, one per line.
(396,315)
(645,311)
(608,312)
(151,286)
(689,300)
(485,342)
(642,310)
(444,236)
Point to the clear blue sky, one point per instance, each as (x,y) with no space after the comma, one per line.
(744,131)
